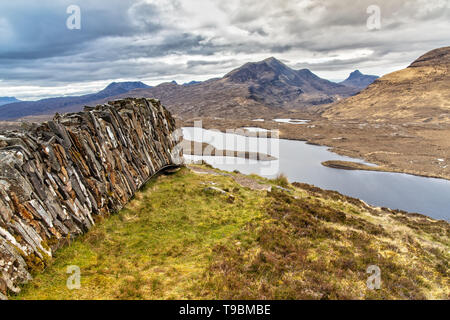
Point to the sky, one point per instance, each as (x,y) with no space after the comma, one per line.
(156,41)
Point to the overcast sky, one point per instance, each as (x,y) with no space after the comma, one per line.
(162,40)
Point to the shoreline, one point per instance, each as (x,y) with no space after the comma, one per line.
(199,149)
(355,166)
(341,165)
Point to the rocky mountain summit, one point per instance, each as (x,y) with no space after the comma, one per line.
(419,93)
(275,84)
(57,178)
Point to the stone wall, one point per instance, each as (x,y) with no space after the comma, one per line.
(57,178)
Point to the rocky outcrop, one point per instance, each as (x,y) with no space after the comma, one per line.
(58,178)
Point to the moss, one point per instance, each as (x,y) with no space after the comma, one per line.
(35,264)
(52,242)
(18,238)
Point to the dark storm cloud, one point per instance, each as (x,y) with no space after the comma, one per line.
(39,27)
(156,40)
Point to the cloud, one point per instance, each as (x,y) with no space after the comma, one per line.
(183,40)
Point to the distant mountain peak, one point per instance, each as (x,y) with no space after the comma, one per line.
(355,73)
(129,85)
(417,94)
(273,83)
(277,64)
(191,83)
(274,62)
(7,100)
(270,59)
(116,88)
(255,71)
(359,80)
(14,110)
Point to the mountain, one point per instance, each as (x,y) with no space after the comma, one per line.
(65,104)
(7,100)
(254,89)
(359,80)
(275,84)
(419,93)
(191,83)
(116,88)
(262,87)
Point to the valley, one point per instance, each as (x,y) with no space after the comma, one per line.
(417,149)
(315,165)
(398,122)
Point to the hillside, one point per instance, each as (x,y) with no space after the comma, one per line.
(65,104)
(205,234)
(419,93)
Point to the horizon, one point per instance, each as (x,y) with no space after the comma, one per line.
(157,84)
(53,49)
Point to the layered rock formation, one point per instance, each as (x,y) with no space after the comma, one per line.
(57,178)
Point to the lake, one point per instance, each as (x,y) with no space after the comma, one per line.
(301,162)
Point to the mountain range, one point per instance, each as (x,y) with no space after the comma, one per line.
(419,93)
(261,87)
(256,87)
(7,100)
(65,104)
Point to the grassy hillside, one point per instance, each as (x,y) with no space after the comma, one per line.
(419,93)
(181,238)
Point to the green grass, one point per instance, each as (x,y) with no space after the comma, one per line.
(156,248)
(176,241)
(281,180)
